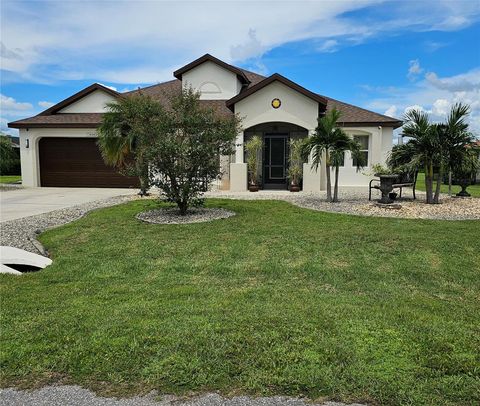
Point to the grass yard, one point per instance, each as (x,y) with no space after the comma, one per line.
(276,300)
(474,190)
(10,178)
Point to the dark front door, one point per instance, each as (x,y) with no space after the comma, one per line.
(77,162)
(275,161)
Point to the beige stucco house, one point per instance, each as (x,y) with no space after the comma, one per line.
(58,146)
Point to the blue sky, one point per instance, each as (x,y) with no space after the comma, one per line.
(386,56)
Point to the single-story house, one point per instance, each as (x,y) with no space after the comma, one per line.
(58,146)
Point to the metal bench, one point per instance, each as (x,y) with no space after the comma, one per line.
(404,180)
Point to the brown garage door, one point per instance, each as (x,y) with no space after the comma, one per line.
(77,162)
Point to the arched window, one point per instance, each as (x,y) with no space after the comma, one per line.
(210,88)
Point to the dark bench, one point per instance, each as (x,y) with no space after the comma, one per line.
(404,180)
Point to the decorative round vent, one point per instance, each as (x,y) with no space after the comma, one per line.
(276,103)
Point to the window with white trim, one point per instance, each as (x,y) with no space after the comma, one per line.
(363,140)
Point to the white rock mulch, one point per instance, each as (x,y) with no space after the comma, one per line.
(449,209)
(354,200)
(22,233)
(171,215)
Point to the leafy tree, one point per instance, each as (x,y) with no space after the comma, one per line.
(185,144)
(330,142)
(9,156)
(174,147)
(124,136)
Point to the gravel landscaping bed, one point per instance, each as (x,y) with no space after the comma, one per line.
(194,215)
(77,396)
(355,201)
(21,233)
(10,186)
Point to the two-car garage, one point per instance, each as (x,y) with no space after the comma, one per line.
(77,162)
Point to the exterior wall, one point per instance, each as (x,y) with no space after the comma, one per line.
(95,102)
(295,108)
(257,109)
(379,145)
(29,157)
(212,81)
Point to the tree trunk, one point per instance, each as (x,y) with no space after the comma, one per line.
(335,187)
(182,207)
(329,182)
(439,184)
(142,172)
(429,181)
(450,182)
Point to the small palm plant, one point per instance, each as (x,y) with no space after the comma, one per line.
(254,150)
(330,142)
(295,163)
(120,144)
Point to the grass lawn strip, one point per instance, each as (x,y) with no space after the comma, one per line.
(474,190)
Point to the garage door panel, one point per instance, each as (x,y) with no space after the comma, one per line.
(77,162)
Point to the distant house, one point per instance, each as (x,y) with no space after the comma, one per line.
(58,146)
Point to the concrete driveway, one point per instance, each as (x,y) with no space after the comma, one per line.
(18,203)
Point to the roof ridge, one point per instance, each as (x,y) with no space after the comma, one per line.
(249,71)
(360,108)
(149,86)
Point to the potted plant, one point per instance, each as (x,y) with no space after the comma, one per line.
(295,163)
(253,147)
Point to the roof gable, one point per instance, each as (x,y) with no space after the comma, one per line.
(207,57)
(78,96)
(282,79)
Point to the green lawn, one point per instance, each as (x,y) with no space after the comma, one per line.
(10,178)
(276,300)
(474,190)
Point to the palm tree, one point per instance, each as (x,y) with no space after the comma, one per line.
(122,146)
(436,147)
(423,144)
(455,136)
(342,144)
(331,141)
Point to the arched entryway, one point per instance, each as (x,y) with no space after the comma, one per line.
(276,138)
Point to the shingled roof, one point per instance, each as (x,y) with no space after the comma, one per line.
(351,115)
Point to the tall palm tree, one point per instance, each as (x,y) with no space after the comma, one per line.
(331,141)
(423,141)
(437,146)
(123,145)
(342,144)
(455,136)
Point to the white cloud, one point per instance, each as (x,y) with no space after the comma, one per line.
(465,82)
(432,46)
(251,48)
(330,45)
(148,39)
(9,103)
(109,87)
(440,107)
(391,111)
(4,128)
(45,104)
(435,95)
(414,69)
(413,107)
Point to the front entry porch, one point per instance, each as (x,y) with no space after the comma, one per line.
(274,159)
(276,137)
